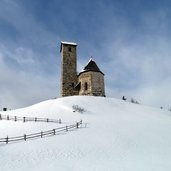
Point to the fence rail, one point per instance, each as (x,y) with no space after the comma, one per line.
(40,134)
(26,119)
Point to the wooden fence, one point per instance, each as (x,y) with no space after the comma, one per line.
(40,134)
(26,119)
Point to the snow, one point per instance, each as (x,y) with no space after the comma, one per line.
(69,43)
(119,136)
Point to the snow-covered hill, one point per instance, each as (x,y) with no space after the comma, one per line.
(120,136)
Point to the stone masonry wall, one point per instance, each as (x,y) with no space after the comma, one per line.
(95,83)
(98,84)
(85,78)
(68,70)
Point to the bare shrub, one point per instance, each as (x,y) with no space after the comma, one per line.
(76,108)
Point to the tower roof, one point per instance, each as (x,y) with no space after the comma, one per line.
(67,43)
(91,66)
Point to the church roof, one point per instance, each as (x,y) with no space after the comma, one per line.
(91,66)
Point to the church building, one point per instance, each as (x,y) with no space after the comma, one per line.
(90,81)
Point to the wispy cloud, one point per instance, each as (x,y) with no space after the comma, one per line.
(26,77)
(139,60)
(19,88)
(130,43)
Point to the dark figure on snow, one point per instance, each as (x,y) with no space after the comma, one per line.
(123,98)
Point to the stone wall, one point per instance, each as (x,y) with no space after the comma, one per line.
(85,78)
(68,70)
(94,81)
(98,84)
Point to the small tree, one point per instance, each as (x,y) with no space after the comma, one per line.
(137,102)
(134,101)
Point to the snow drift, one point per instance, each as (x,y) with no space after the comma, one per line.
(119,136)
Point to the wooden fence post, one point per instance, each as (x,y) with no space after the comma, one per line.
(0,117)
(25,137)
(47,120)
(15,118)
(41,134)
(7,117)
(54,132)
(35,119)
(77,125)
(24,119)
(60,121)
(7,140)
(81,123)
(66,128)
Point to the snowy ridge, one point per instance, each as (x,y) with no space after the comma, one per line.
(120,136)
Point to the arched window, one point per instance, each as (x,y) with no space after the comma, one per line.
(85,86)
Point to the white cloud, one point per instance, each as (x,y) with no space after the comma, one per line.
(134,57)
(138,60)
(26,62)
(24,56)
(20,88)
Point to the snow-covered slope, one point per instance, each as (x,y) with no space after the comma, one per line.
(119,136)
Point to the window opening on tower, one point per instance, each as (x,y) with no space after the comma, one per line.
(85,86)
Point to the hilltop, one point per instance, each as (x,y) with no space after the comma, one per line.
(118,136)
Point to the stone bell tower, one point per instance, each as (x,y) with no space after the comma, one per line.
(68,68)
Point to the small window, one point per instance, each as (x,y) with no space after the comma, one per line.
(85,86)
(69,49)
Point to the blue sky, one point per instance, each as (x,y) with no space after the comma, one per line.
(129,40)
